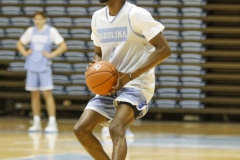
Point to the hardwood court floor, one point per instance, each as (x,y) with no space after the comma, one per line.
(153,141)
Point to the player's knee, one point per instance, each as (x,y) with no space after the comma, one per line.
(47,94)
(80,129)
(116,130)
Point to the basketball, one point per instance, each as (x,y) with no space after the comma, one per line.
(100,77)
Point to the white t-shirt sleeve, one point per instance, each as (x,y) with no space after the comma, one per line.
(26,37)
(143,23)
(56,37)
(94,35)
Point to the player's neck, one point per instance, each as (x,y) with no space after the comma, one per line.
(115,6)
(39,28)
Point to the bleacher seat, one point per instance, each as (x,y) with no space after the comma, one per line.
(14,32)
(168,69)
(64,32)
(193,35)
(193,12)
(94,1)
(167,92)
(9,43)
(11,10)
(60,79)
(58,90)
(62,67)
(78,1)
(192,58)
(92,9)
(144,2)
(190,69)
(30,10)
(21,21)
(77,11)
(174,46)
(16,66)
(169,2)
(192,93)
(90,45)
(171,23)
(90,56)
(193,23)
(168,11)
(169,81)
(83,22)
(2,33)
(75,56)
(10,1)
(80,67)
(191,104)
(55,1)
(80,33)
(194,2)
(171,34)
(193,46)
(4,21)
(78,79)
(7,55)
(32,1)
(76,90)
(76,44)
(62,21)
(192,81)
(51,10)
(165,103)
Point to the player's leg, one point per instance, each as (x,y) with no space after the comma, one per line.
(32,86)
(46,86)
(50,103)
(123,118)
(83,131)
(130,104)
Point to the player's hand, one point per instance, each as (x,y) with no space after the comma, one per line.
(90,64)
(28,52)
(123,78)
(48,55)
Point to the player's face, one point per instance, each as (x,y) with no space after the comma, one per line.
(103,1)
(39,21)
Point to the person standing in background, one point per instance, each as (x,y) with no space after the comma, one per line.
(38,66)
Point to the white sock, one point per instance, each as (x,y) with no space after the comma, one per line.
(36,119)
(52,120)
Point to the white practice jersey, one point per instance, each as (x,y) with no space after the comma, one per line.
(126,44)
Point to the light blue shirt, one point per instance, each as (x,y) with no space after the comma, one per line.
(40,42)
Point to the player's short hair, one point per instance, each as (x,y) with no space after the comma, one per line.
(40,13)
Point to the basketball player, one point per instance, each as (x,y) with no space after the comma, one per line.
(128,37)
(38,66)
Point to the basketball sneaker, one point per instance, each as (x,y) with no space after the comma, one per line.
(35,128)
(51,128)
(106,135)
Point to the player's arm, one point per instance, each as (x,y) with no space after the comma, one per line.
(24,40)
(98,54)
(162,51)
(21,48)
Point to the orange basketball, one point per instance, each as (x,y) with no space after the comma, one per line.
(100,77)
